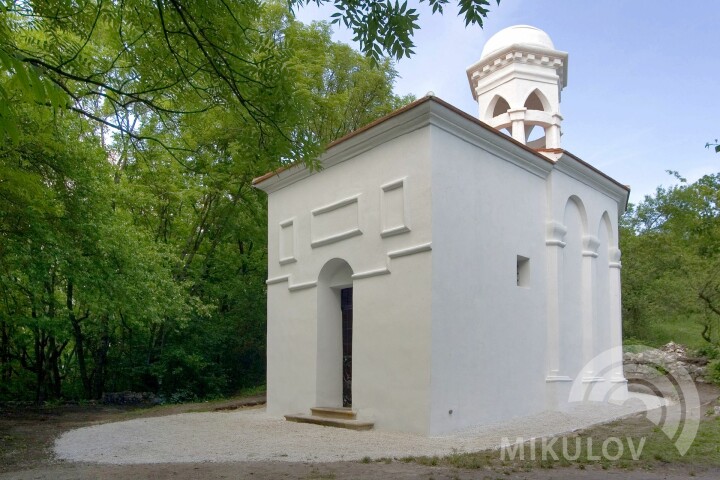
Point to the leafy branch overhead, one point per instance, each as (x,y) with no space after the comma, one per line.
(120,62)
(387,28)
(128,64)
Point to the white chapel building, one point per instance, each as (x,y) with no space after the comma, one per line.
(443,271)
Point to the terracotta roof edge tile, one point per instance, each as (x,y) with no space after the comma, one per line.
(394,113)
(599,172)
(537,152)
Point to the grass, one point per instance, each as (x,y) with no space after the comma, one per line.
(252,391)
(190,407)
(658,450)
(316,474)
(682,329)
(11,443)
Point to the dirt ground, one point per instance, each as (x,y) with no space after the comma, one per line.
(27,436)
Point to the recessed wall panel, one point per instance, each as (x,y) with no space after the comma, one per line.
(394,209)
(287,242)
(336,221)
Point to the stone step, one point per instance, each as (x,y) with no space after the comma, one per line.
(334,412)
(330,422)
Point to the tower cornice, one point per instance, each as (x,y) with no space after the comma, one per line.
(520,54)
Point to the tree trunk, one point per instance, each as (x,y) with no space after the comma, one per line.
(79,342)
(5,367)
(101,359)
(54,352)
(40,343)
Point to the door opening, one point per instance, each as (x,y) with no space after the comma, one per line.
(346,296)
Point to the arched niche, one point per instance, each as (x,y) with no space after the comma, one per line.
(335,276)
(537,101)
(571,290)
(601,285)
(498,106)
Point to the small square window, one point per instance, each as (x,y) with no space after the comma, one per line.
(523,271)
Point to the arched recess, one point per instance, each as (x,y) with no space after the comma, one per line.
(571,290)
(498,106)
(574,200)
(537,101)
(535,134)
(334,278)
(602,328)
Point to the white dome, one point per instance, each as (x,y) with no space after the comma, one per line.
(518,34)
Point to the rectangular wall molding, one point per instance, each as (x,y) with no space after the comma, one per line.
(371,273)
(280,279)
(288,242)
(393,208)
(335,222)
(302,286)
(292,287)
(424,247)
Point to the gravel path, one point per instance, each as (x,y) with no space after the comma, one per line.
(251,435)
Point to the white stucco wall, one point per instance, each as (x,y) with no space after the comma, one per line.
(587,323)
(488,332)
(384,198)
(431,211)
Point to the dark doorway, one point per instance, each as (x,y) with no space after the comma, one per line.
(346,296)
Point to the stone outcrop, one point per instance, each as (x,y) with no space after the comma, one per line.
(130,398)
(672,359)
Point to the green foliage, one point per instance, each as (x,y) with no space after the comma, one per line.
(714,371)
(130,64)
(25,83)
(387,28)
(711,352)
(132,246)
(671,258)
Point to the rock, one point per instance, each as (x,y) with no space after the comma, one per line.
(130,398)
(671,359)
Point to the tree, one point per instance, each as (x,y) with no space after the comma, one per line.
(671,245)
(118,62)
(135,258)
(71,266)
(144,55)
(217,223)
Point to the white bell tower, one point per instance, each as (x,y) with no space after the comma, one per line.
(517,84)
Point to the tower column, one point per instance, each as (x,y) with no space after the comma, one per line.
(558,384)
(517,117)
(590,255)
(552,132)
(617,374)
(554,241)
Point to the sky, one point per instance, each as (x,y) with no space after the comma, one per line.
(643,93)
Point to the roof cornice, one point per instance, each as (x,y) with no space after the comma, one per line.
(434,111)
(402,121)
(522,54)
(421,113)
(466,128)
(582,171)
